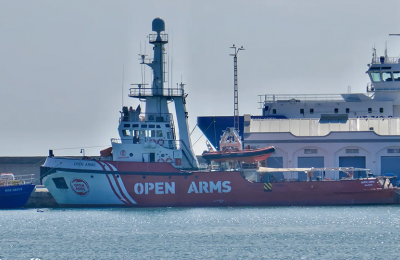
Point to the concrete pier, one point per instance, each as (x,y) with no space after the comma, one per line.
(41,198)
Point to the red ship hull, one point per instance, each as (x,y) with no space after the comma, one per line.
(161,185)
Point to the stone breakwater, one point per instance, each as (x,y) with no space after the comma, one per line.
(41,198)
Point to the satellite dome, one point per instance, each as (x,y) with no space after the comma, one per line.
(158,25)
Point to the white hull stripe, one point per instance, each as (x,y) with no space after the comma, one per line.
(116,184)
(116,192)
(112,167)
(124,191)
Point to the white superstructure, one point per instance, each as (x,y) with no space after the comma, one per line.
(334,130)
(150,136)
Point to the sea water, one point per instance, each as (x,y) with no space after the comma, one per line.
(359,232)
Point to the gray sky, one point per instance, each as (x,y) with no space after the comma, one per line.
(61,62)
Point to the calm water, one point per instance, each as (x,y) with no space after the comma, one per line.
(202,233)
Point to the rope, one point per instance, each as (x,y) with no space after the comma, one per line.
(193,130)
(202,133)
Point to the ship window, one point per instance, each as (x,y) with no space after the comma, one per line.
(135,125)
(376,76)
(311,110)
(143,133)
(336,110)
(127,125)
(152,126)
(274,111)
(153,133)
(396,75)
(302,111)
(347,110)
(136,137)
(159,133)
(167,125)
(381,110)
(60,183)
(143,126)
(126,132)
(169,135)
(387,76)
(369,110)
(158,126)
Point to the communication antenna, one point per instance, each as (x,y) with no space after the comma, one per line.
(172,57)
(386,49)
(122,86)
(236,90)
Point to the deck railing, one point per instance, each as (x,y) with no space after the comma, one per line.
(294,98)
(385,60)
(149,92)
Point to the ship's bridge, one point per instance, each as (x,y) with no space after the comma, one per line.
(384,73)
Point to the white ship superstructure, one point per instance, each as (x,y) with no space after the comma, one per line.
(151,136)
(336,130)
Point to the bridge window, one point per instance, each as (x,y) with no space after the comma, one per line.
(126,132)
(347,110)
(387,76)
(336,110)
(135,125)
(143,126)
(396,75)
(376,76)
(158,126)
(311,110)
(274,111)
(302,111)
(152,126)
(381,110)
(127,125)
(369,110)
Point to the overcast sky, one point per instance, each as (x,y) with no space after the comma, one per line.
(63,64)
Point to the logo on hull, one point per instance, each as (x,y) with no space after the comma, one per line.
(80,187)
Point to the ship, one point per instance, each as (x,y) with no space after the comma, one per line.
(360,130)
(150,165)
(14,193)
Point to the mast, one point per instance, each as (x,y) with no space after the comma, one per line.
(236,88)
(157,97)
